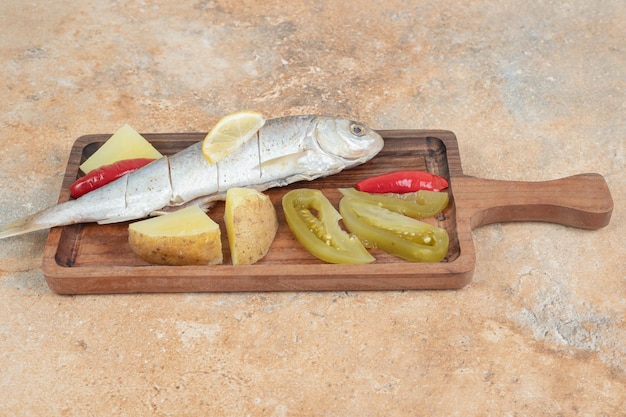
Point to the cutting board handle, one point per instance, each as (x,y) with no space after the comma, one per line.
(582,201)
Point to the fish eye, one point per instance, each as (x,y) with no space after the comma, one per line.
(357,130)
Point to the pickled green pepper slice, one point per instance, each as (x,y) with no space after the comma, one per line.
(419,204)
(394,233)
(315,223)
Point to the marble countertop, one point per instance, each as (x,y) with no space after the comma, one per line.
(532,92)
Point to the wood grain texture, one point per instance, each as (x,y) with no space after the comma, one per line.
(91,258)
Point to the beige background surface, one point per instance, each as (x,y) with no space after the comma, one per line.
(533,91)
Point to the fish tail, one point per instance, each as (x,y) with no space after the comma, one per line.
(58,215)
(21,226)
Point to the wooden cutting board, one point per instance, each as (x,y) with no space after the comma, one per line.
(91,258)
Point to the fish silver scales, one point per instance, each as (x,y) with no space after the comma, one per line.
(285,150)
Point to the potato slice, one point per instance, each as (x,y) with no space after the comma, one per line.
(126,143)
(251,224)
(184,237)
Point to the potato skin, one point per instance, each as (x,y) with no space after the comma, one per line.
(201,249)
(251,224)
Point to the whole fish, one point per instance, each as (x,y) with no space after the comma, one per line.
(283,151)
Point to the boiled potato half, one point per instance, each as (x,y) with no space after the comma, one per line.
(126,143)
(184,237)
(251,224)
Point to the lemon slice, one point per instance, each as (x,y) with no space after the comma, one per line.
(230,132)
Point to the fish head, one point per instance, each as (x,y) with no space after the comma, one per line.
(350,141)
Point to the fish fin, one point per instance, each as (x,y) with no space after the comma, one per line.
(204,203)
(116,220)
(22,226)
(283,162)
(158,213)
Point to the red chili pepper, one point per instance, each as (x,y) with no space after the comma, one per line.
(402,182)
(106,174)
